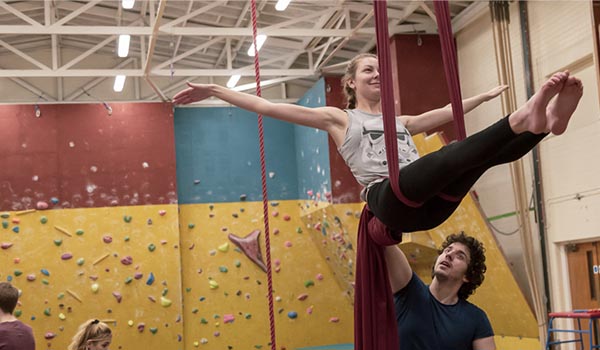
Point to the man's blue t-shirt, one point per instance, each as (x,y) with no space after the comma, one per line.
(426,324)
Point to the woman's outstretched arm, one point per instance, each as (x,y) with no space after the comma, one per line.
(329,119)
(432,119)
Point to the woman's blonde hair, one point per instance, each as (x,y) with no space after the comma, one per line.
(93,330)
(351,74)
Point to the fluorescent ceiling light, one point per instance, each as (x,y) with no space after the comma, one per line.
(233,80)
(123,47)
(119,83)
(260,40)
(127,4)
(280,6)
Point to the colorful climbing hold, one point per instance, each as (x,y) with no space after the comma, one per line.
(165,302)
(213,284)
(127,218)
(58,242)
(302,297)
(191,225)
(80,261)
(309,283)
(79,232)
(6,245)
(45,272)
(15,229)
(162,212)
(4,224)
(228,318)
(107,239)
(95,287)
(224,247)
(66,256)
(150,279)
(117,296)
(223,269)
(292,314)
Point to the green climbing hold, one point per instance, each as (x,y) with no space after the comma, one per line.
(151,247)
(298,229)
(237,263)
(165,292)
(57,242)
(153,330)
(223,269)
(43,219)
(126,238)
(195,311)
(127,218)
(128,280)
(79,232)
(80,261)
(203,321)
(5,215)
(45,281)
(47,312)
(18,273)
(190,225)
(309,283)
(18,313)
(60,296)
(188,289)
(248,316)
(4,224)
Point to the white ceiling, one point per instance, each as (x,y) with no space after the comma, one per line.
(65,51)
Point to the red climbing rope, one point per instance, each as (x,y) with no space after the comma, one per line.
(263,176)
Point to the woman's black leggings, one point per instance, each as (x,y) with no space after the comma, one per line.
(436,183)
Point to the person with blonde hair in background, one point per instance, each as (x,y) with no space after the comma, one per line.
(92,335)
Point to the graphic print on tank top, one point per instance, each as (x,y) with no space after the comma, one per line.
(372,144)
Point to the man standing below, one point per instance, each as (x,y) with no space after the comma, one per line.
(438,316)
(14,334)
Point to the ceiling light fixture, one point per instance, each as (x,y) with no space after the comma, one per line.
(260,40)
(119,83)
(233,80)
(123,47)
(127,4)
(282,5)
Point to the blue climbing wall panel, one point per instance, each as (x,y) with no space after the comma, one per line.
(218,155)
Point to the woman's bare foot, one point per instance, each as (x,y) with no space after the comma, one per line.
(532,115)
(561,109)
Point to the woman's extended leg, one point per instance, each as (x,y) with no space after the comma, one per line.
(430,175)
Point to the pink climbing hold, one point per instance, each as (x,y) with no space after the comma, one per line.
(49,335)
(286,218)
(275,214)
(17,260)
(309,310)
(107,239)
(138,275)
(302,297)
(128,260)
(319,277)
(277,262)
(334,319)
(31,277)
(162,212)
(66,256)
(140,327)
(41,205)
(228,318)
(118,296)
(317,226)
(288,244)
(276,231)
(309,193)
(6,245)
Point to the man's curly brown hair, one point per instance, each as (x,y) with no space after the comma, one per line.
(476,269)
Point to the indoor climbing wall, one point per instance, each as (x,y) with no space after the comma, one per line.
(225,292)
(224,283)
(333,229)
(88,207)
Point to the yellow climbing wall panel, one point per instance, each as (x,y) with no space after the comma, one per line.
(220,283)
(77,264)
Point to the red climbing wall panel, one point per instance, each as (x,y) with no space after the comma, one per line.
(83,157)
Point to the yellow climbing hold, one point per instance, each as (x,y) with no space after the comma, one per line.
(130,323)
(62,316)
(95,288)
(213,284)
(165,302)
(224,247)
